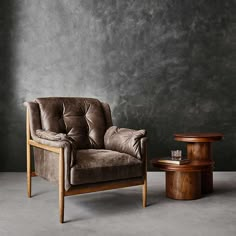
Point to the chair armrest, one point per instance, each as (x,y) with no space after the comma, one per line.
(124,140)
(54,139)
(48,140)
(53,145)
(44,146)
(49,135)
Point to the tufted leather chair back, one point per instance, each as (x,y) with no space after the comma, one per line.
(82,119)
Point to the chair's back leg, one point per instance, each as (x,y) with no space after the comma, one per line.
(28,154)
(145,176)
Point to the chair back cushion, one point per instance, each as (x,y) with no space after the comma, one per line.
(82,119)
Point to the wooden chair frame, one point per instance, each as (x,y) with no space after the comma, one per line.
(80,190)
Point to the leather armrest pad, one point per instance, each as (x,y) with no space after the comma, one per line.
(49,135)
(124,140)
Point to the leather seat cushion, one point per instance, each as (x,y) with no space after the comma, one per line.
(99,165)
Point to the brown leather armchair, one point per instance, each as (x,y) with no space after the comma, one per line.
(76,146)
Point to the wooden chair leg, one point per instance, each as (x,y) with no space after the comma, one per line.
(61,185)
(144,144)
(145,192)
(28,157)
(28,171)
(61,208)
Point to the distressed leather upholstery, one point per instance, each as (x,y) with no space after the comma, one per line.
(81,119)
(99,165)
(49,135)
(124,140)
(94,150)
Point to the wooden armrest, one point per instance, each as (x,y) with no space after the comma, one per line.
(44,146)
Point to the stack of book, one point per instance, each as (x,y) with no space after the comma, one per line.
(170,160)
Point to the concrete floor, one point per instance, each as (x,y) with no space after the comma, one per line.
(116,212)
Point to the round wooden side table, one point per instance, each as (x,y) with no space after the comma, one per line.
(199,149)
(183,182)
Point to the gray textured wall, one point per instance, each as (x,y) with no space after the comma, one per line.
(164,65)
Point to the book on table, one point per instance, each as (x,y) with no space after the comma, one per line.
(169,160)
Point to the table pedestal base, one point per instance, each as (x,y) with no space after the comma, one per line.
(183,185)
(202,152)
(207,181)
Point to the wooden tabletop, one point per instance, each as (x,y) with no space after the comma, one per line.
(189,167)
(198,137)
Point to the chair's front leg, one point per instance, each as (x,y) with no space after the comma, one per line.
(28,170)
(145,185)
(145,191)
(61,185)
